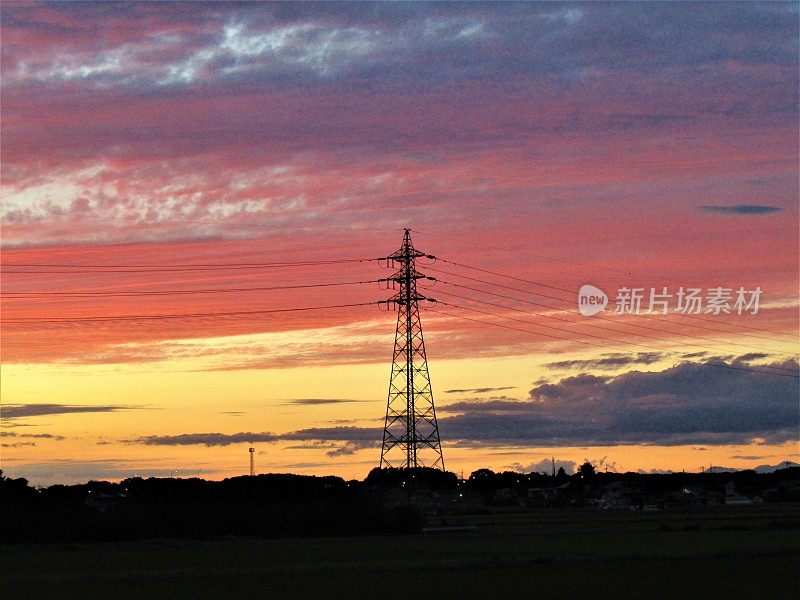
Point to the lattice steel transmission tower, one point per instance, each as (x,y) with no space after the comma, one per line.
(410,433)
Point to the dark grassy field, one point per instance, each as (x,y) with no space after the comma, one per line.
(749,552)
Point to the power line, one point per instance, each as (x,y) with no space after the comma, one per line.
(160,267)
(31,295)
(594,325)
(546,257)
(573,292)
(605,339)
(596,317)
(545,285)
(555,337)
(493,283)
(163,268)
(560,259)
(557,328)
(436,310)
(158,317)
(595,336)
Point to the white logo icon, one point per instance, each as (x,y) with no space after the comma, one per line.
(591,300)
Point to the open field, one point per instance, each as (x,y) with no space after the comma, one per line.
(722,553)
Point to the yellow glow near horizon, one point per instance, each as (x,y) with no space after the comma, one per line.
(194,395)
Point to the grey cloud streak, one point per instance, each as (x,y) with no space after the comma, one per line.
(613,360)
(37,436)
(741,209)
(482,390)
(321,401)
(18,411)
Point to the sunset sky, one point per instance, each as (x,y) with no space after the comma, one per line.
(197,163)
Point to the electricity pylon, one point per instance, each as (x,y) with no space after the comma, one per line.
(410,433)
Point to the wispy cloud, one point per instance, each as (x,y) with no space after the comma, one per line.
(483,390)
(751,356)
(350,448)
(37,436)
(18,411)
(321,401)
(204,439)
(610,361)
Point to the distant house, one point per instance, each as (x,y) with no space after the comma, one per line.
(693,496)
(621,495)
(545,496)
(733,498)
(102,501)
(506,497)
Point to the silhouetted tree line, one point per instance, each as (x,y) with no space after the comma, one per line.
(432,479)
(265,505)
(587,484)
(295,505)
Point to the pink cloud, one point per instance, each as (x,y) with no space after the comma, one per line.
(577,149)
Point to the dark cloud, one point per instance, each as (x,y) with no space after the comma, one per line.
(300,44)
(751,356)
(351,448)
(204,439)
(499,404)
(17,411)
(482,390)
(312,445)
(614,360)
(37,436)
(741,209)
(16,444)
(686,404)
